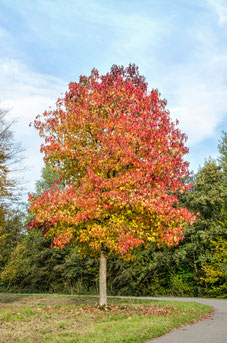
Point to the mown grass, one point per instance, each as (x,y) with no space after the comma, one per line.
(71,319)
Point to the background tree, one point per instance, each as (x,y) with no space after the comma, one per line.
(197,266)
(34,267)
(187,268)
(10,219)
(121,158)
(29,264)
(223,152)
(216,271)
(10,155)
(49,176)
(216,267)
(12,232)
(208,197)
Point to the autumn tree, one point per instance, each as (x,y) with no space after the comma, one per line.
(122,161)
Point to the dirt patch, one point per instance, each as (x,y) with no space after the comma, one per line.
(142,310)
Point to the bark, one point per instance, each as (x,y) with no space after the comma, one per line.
(102,280)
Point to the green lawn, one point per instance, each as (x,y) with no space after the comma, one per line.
(57,318)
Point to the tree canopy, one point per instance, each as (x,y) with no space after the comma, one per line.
(121,157)
(10,154)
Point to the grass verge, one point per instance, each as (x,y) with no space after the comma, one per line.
(71,319)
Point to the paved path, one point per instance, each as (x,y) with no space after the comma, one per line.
(212,330)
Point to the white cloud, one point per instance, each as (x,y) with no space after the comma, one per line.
(199,108)
(199,100)
(220,7)
(27,93)
(196,90)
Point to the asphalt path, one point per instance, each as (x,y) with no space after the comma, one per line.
(211,330)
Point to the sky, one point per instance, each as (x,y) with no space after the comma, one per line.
(180,47)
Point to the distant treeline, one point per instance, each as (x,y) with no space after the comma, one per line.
(196,267)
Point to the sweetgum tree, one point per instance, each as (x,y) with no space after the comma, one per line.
(120,158)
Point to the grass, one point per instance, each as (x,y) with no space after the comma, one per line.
(72,319)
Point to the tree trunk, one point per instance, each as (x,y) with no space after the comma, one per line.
(102,280)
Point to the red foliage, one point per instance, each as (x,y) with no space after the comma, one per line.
(121,158)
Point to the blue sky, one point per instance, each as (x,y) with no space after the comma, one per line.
(180,46)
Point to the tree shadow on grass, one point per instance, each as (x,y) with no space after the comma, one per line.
(9,299)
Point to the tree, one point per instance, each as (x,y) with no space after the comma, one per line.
(223,152)
(11,234)
(208,197)
(48,178)
(33,266)
(29,264)
(10,155)
(216,270)
(121,158)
